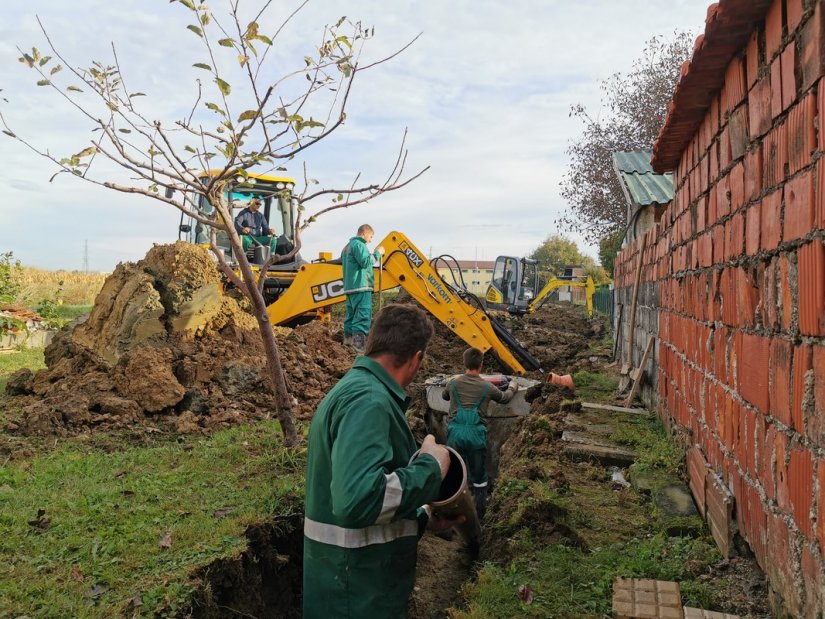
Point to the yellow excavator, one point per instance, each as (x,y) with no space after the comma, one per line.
(514,287)
(299,290)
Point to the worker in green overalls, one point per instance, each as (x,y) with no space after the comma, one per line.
(366,502)
(359,283)
(469,395)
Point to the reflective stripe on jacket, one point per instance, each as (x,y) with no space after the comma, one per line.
(362,498)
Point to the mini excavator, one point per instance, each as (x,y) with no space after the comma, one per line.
(514,287)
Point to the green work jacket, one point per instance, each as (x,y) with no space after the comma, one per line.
(362,518)
(356,262)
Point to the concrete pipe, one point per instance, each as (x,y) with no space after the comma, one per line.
(456,499)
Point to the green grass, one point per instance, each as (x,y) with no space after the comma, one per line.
(594,386)
(67,313)
(568,583)
(104,514)
(656,452)
(31,358)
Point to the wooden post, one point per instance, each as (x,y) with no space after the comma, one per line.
(632,324)
(637,374)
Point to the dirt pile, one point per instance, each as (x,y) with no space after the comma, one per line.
(162,346)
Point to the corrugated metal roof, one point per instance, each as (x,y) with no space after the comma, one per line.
(728,25)
(642,183)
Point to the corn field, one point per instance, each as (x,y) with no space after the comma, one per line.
(77,288)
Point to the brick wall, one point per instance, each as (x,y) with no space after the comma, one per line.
(739,264)
(647,314)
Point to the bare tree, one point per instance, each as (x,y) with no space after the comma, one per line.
(223,137)
(636,105)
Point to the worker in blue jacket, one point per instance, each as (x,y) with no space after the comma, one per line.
(359,284)
(365,499)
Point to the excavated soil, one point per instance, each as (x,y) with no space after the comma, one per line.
(164,348)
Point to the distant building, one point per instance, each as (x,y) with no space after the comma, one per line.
(570,293)
(475,273)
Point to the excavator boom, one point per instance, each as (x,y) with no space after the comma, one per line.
(320,284)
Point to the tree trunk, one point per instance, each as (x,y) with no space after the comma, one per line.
(283,403)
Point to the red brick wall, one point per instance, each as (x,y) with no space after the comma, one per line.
(739,261)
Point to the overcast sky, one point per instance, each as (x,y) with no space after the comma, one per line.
(485,94)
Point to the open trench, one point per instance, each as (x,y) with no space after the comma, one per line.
(265,581)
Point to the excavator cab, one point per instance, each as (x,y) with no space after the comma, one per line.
(514,284)
(278,207)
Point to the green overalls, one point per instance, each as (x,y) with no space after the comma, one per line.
(359,284)
(362,519)
(467,434)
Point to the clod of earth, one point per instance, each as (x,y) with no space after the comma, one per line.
(163,346)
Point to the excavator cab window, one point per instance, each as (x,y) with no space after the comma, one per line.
(529,281)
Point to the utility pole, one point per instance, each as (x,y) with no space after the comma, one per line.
(86,256)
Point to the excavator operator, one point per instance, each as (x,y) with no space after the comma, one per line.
(359,283)
(252,226)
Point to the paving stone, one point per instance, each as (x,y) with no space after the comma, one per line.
(643,598)
(698,613)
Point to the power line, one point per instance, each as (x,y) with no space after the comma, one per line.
(86,256)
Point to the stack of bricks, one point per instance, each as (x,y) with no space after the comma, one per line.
(640,598)
(739,263)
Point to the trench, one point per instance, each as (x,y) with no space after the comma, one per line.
(264,581)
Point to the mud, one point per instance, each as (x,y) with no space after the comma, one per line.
(164,348)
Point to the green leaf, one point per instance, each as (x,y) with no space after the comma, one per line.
(188,4)
(226,42)
(73,89)
(205,18)
(44,60)
(242,59)
(195,29)
(264,39)
(27,60)
(214,107)
(137,94)
(189,149)
(341,21)
(56,69)
(125,130)
(9,133)
(308,60)
(36,53)
(224,87)
(86,152)
(248,115)
(202,65)
(43,83)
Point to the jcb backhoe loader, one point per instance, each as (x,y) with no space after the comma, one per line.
(299,289)
(515,286)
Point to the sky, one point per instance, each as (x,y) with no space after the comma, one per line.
(484,94)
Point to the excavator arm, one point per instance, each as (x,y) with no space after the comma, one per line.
(319,285)
(541,297)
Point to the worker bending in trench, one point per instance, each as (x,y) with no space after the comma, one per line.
(469,395)
(365,500)
(359,282)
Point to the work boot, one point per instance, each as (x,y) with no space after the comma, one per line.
(359,342)
(480,494)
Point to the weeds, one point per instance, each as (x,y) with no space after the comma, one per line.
(568,583)
(595,387)
(31,358)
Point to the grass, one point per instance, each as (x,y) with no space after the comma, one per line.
(568,583)
(655,450)
(81,528)
(595,386)
(31,358)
